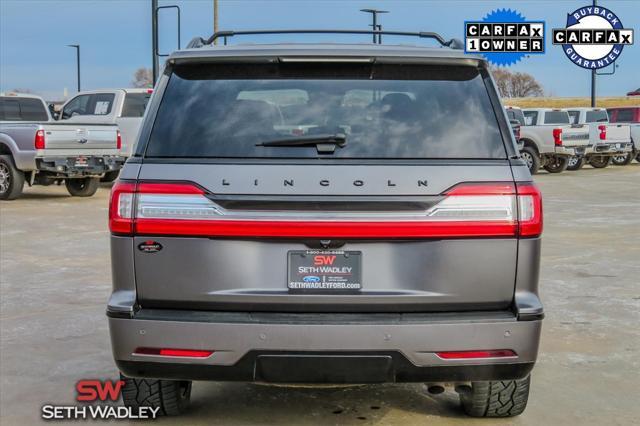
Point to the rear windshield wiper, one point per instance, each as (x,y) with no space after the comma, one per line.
(325,143)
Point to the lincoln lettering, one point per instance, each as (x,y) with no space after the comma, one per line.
(327,182)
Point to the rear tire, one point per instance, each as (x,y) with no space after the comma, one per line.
(600,161)
(557,164)
(622,160)
(83,187)
(505,398)
(170,396)
(531,159)
(11,179)
(110,176)
(576,163)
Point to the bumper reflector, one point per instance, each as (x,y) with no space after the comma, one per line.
(185,353)
(494,353)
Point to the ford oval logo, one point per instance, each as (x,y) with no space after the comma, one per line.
(311,279)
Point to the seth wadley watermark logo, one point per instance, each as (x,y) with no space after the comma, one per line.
(94,391)
(593,38)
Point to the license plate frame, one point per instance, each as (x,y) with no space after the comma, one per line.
(324,271)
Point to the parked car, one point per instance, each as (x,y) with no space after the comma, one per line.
(123,107)
(335,216)
(634,92)
(549,139)
(606,140)
(631,116)
(36,150)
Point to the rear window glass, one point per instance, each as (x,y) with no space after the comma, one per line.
(383,111)
(516,114)
(135,104)
(22,109)
(530,118)
(624,115)
(556,117)
(574,116)
(597,116)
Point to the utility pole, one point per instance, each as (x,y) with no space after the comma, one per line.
(154,40)
(374,14)
(593,77)
(77,47)
(215,19)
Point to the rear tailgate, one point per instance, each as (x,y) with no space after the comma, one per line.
(576,135)
(416,211)
(615,133)
(80,136)
(246,266)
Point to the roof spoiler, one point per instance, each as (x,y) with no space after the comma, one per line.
(197,42)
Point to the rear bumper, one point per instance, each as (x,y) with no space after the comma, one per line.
(324,348)
(564,150)
(90,165)
(609,149)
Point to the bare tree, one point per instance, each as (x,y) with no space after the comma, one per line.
(142,78)
(516,85)
(21,90)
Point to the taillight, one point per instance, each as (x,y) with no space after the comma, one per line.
(483,354)
(39,143)
(517,133)
(557,137)
(603,132)
(530,216)
(121,205)
(118,140)
(467,210)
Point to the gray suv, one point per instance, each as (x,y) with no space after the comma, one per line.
(326,213)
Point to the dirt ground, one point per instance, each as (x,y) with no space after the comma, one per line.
(55,280)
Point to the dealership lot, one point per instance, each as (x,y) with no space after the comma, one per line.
(55,280)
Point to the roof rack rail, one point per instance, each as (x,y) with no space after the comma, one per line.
(199,41)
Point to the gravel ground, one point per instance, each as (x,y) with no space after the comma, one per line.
(55,280)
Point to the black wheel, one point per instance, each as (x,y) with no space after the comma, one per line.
(638,158)
(557,164)
(622,160)
(600,161)
(576,162)
(11,179)
(110,176)
(530,157)
(82,187)
(170,396)
(506,398)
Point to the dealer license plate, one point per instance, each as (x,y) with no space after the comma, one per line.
(324,270)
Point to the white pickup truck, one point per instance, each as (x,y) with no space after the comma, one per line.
(629,115)
(549,139)
(123,107)
(36,150)
(606,140)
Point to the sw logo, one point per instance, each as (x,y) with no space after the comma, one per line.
(324,260)
(594,37)
(92,390)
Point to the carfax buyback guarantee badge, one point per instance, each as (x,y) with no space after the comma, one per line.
(594,37)
(504,37)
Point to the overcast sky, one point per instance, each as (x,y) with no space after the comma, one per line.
(115,36)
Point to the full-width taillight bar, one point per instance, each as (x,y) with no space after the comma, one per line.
(466,210)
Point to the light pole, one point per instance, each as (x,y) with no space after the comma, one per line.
(77,47)
(374,14)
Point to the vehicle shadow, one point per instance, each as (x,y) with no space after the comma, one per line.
(248,404)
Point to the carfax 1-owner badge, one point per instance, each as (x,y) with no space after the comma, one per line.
(593,38)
